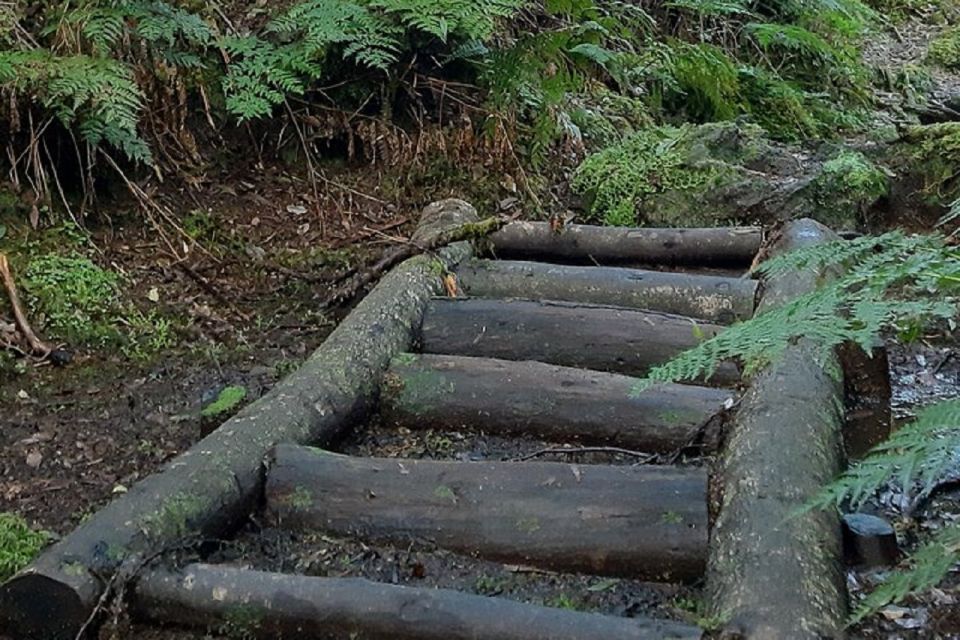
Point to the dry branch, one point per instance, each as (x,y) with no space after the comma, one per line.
(37,346)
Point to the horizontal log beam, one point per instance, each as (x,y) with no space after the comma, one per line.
(587,244)
(271,605)
(595,337)
(629,521)
(712,298)
(546,401)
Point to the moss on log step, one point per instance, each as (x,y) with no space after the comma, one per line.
(271,605)
(595,337)
(645,522)
(547,401)
(588,244)
(713,298)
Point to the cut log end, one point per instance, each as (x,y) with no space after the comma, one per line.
(41,608)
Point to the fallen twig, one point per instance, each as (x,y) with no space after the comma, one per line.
(37,346)
(645,457)
(349,289)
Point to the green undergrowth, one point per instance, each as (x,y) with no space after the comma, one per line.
(532,80)
(846,186)
(19,544)
(945,50)
(71,298)
(227,401)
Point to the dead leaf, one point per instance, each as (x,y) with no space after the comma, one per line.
(450,284)
(34,458)
(153,295)
(296,209)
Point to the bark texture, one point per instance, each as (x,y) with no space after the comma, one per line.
(712,298)
(547,401)
(586,244)
(575,335)
(271,605)
(207,489)
(775,575)
(639,521)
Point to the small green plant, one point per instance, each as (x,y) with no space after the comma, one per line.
(616,179)
(847,186)
(228,400)
(945,50)
(19,544)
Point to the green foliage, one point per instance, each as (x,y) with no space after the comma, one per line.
(707,79)
(19,544)
(920,454)
(933,152)
(892,282)
(945,50)
(98,94)
(228,400)
(81,303)
(846,186)
(650,161)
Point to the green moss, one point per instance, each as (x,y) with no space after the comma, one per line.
(528,525)
(945,50)
(420,390)
(301,498)
(404,359)
(847,186)
(173,519)
(241,622)
(933,154)
(81,303)
(445,493)
(19,544)
(227,401)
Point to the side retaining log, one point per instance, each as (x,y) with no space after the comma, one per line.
(713,298)
(547,401)
(774,575)
(271,605)
(595,337)
(587,244)
(207,489)
(627,521)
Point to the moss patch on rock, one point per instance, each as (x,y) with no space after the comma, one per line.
(848,185)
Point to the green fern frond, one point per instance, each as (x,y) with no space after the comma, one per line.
(929,565)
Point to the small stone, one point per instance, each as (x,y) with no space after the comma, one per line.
(34,458)
(869,540)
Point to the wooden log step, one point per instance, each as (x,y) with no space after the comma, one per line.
(575,335)
(272,605)
(546,401)
(646,522)
(587,244)
(713,298)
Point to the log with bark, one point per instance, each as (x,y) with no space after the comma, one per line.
(713,298)
(271,605)
(547,401)
(586,244)
(773,574)
(575,335)
(629,521)
(213,485)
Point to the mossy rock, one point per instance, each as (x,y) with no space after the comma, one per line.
(846,188)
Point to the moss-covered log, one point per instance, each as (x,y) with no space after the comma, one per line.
(547,401)
(211,486)
(255,604)
(640,521)
(713,298)
(588,244)
(775,575)
(575,335)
